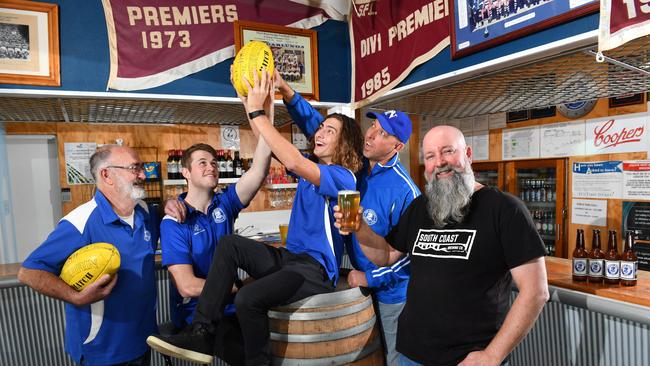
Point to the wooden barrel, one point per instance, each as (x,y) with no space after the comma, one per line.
(337,328)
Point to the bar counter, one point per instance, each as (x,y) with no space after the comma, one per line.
(583,324)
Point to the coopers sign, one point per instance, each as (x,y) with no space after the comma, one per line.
(617,134)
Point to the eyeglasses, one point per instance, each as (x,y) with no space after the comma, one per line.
(135,169)
(445,152)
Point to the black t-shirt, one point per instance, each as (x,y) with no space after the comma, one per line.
(458,294)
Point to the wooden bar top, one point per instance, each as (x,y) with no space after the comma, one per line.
(559,274)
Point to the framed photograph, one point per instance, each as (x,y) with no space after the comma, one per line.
(29,43)
(480,24)
(624,100)
(294,52)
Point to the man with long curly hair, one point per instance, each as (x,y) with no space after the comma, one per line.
(386,191)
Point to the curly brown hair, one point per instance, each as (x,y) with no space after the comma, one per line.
(349,151)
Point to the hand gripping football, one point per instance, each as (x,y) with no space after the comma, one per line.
(89,263)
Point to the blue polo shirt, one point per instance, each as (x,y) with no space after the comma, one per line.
(115,332)
(386,192)
(311,225)
(193,242)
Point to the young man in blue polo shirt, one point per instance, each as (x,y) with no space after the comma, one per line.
(107,322)
(386,191)
(188,247)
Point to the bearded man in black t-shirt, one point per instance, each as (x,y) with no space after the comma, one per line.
(467,244)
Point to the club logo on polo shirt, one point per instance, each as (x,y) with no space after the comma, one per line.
(370,216)
(147,235)
(444,243)
(218,216)
(197,229)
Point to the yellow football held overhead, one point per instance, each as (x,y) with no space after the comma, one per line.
(255,55)
(89,263)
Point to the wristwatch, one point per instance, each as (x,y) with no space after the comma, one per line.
(257,113)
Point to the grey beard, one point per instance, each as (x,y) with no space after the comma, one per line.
(137,193)
(448,199)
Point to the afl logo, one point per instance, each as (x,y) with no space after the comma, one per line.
(370,216)
(218,216)
(147,235)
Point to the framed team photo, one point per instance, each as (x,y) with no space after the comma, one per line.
(480,24)
(294,51)
(29,43)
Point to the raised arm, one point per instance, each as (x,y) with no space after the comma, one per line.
(531,281)
(51,285)
(283,150)
(252,180)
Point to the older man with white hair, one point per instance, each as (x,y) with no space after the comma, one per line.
(467,243)
(108,321)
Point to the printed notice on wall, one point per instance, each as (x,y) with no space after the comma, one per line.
(481,123)
(636,179)
(497,120)
(562,139)
(480,143)
(602,179)
(589,212)
(77,162)
(520,143)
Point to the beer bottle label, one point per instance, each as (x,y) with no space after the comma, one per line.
(596,267)
(612,269)
(580,266)
(628,270)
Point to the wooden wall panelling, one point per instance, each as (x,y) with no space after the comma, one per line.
(31,128)
(417,169)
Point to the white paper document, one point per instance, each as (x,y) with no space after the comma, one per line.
(589,212)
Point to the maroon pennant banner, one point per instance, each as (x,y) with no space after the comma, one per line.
(621,22)
(154,42)
(389,38)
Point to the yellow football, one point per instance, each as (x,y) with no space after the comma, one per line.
(89,263)
(255,55)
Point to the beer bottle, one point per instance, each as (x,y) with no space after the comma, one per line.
(580,258)
(171,165)
(221,163)
(230,169)
(612,261)
(238,164)
(179,164)
(628,261)
(596,259)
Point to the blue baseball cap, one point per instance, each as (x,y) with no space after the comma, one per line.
(395,122)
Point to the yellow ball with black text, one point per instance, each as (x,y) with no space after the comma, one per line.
(89,263)
(255,55)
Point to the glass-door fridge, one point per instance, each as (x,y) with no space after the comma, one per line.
(541,186)
(489,174)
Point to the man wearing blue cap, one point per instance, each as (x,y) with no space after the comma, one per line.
(386,191)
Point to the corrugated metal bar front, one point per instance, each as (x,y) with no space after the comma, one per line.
(31,333)
(567,335)
(32,327)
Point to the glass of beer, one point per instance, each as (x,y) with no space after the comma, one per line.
(349,205)
(284,229)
